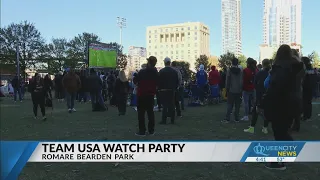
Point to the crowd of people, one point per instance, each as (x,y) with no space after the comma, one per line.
(280,91)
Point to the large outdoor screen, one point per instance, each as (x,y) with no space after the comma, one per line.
(102,56)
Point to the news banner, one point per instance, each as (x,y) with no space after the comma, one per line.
(15,154)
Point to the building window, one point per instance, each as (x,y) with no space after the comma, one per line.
(149,41)
(195,45)
(177,29)
(188,51)
(188,34)
(195,38)
(149,36)
(181,29)
(182,45)
(196,27)
(177,52)
(188,28)
(171,46)
(149,53)
(195,33)
(177,45)
(155,47)
(155,31)
(188,45)
(171,52)
(155,36)
(149,31)
(149,47)
(195,56)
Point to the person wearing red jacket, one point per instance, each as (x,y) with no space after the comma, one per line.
(248,87)
(214,76)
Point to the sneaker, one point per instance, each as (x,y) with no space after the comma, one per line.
(276,166)
(225,121)
(179,116)
(35,117)
(265,130)
(245,118)
(237,121)
(151,133)
(74,110)
(140,134)
(70,110)
(249,130)
(44,118)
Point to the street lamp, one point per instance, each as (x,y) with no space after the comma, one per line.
(122,23)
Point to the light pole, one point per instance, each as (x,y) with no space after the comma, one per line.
(122,23)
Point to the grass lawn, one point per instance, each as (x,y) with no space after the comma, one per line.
(198,123)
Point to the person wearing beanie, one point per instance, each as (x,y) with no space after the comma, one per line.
(234,89)
(260,90)
(202,80)
(168,85)
(147,81)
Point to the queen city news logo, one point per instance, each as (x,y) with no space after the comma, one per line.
(275,150)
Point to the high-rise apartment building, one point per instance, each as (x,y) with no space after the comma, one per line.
(137,56)
(282,22)
(181,42)
(231,26)
(281,25)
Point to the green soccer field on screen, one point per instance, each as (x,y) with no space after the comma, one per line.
(102,58)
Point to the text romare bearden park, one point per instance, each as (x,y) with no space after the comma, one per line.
(52,150)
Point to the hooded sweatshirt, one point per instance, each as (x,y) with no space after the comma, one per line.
(201,76)
(234,80)
(71,82)
(214,76)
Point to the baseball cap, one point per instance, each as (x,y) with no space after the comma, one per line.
(167,60)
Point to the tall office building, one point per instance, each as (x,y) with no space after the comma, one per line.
(281,25)
(231,26)
(180,42)
(137,56)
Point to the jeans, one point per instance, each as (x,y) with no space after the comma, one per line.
(201,91)
(15,92)
(122,103)
(181,95)
(38,100)
(177,102)
(248,96)
(255,114)
(234,99)
(168,104)
(82,96)
(70,99)
(96,98)
(145,104)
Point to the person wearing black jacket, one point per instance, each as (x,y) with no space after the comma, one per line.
(48,85)
(168,85)
(260,90)
(38,94)
(121,89)
(83,89)
(59,87)
(281,98)
(309,83)
(146,81)
(95,84)
(16,88)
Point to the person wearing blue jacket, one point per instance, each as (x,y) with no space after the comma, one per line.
(267,82)
(202,80)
